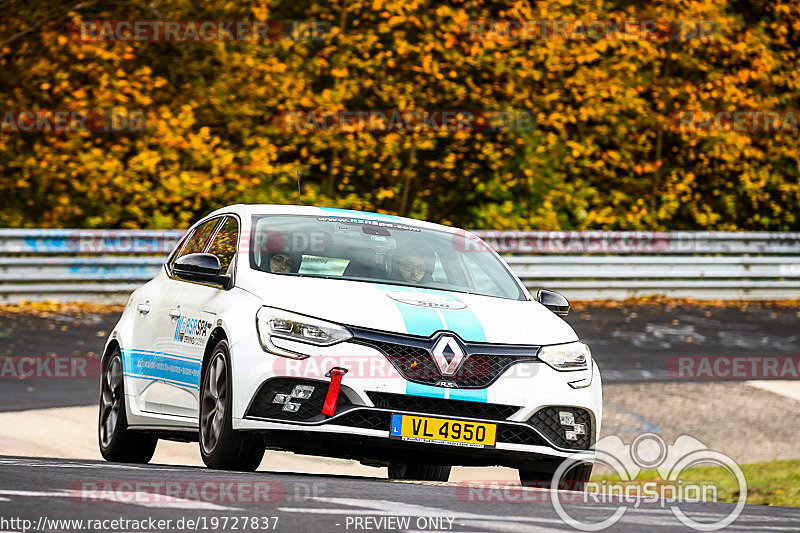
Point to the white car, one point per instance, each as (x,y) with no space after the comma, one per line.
(346,334)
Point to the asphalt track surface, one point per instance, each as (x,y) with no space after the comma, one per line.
(629,344)
(46,490)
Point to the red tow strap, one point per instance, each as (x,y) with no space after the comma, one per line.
(335,374)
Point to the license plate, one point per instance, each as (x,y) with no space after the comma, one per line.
(443,431)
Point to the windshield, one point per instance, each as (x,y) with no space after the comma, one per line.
(383,252)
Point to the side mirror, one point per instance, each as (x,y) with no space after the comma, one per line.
(553,301)
(204,268)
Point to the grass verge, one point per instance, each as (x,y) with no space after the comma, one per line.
(769,483)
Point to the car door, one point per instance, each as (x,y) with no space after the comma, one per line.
(144,361)
(162,367)
(139,359)
(198,307)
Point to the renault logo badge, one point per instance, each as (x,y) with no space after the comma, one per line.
(447,354)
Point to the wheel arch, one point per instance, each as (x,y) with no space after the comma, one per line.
(216,335)
(112,344)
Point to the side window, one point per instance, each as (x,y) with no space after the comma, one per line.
(224,244)
(439,275)
(197,242)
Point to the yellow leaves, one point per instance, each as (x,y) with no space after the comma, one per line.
(384,194)
(147,161)
(592,161)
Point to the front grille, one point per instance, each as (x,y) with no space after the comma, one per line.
(413,363)
(310,409)
(479,370)
(411,357)
(381,420)
(438,406)
(513,434)
(366,419)
(547,421)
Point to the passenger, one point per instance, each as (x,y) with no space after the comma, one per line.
(280,263)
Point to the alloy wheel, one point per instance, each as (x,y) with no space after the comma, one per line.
(213,402)
(110,400)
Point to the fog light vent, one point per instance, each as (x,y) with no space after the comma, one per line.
(281,398)
(291,407)
(302,392)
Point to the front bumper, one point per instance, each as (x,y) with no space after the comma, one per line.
(524,402)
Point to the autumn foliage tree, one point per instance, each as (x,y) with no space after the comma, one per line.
(605,152)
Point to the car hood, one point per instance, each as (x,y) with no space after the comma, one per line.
(416,311)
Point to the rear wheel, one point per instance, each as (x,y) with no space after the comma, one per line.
(573,479)
(117,442)
(221,446)
(419,472)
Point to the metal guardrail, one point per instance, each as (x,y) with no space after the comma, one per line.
(106,265)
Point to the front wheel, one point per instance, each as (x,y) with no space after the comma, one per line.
(419,472)
(117,442)
(221,446)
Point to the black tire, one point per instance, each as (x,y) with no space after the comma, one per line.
(573,479)
(117,442)
(221,446)
(419,472)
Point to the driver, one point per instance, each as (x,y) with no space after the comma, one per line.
(414,268)
(276,257)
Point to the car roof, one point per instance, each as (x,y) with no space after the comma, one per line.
(248,210)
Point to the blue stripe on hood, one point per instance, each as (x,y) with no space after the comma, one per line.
(464,322)
(422,321)
(425,321)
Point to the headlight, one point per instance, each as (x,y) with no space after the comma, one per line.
(572,356)
(287,325)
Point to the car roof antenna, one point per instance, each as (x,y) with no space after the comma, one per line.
(299,196)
